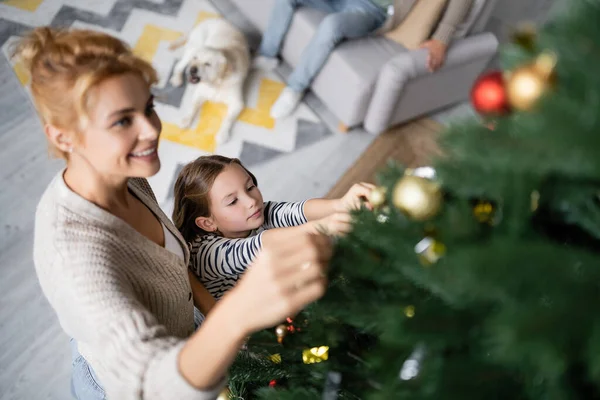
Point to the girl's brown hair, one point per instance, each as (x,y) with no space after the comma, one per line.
(191,192)
(65,64)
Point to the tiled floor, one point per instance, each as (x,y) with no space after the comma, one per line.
(34,353)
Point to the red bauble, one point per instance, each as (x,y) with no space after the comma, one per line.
(488,94)
(273,383)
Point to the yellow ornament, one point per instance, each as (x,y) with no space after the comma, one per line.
(225,394)
(528,83)
(275,358)
(377,197)
(419,198)
(280,331)
(484,212)
(525,36)
(409,311)
(430,250)
(315,355)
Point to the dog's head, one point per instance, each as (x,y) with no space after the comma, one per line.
(208,65)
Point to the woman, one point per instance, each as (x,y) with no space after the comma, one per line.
(112,265)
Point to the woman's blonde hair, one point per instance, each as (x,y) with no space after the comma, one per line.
(192,192)
(65,64)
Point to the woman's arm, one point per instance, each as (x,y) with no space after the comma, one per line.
(134,356)
(207,355)
(266,295)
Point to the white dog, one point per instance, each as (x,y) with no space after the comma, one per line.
(216,59)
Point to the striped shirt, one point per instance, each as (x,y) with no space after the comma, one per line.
(219,262)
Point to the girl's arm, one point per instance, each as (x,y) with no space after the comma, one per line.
(358,194)
(320,208)
(203,300)
(220,257)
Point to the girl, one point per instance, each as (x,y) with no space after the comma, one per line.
(220,211)
(111,264)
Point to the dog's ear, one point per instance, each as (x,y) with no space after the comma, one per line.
(227,63)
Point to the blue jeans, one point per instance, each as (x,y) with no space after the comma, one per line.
(347,19)
(85,385)
(84,382)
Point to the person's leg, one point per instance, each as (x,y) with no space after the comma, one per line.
(279,23)
(280,20)
(355,23)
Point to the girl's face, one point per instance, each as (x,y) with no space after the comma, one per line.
(236,204)
(121,138)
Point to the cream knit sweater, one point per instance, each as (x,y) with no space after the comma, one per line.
(126,300)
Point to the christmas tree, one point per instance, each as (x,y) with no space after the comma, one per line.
(479,276)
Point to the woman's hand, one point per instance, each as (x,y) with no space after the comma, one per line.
(437,53)
(285,277)
(355,197)
(336,224)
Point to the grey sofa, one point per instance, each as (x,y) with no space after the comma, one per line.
(376,82)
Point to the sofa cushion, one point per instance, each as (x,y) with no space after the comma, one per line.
(256,11)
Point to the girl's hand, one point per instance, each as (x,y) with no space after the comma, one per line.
(357,195)
(285,277)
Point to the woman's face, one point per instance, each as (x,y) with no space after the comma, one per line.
(121,138)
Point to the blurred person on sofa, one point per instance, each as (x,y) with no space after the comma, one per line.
(428,24)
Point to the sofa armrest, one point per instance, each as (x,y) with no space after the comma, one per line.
(465,60)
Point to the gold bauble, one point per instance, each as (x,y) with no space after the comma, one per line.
(409,311)
(225,394)
(377,197)
(528,83)
(419,198)
(280,331)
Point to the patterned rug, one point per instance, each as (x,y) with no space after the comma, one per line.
(148,26)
